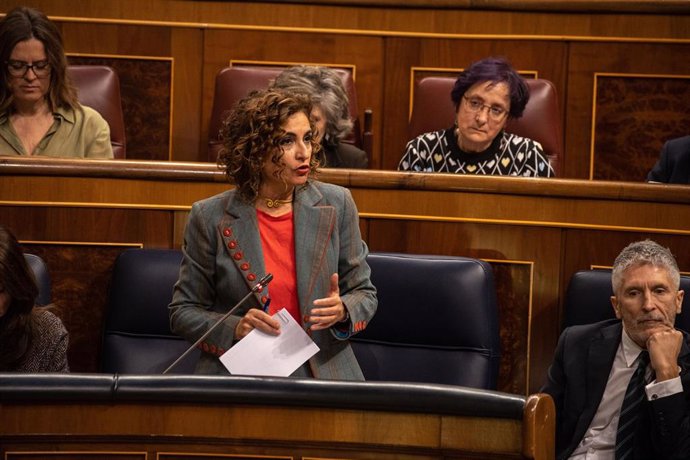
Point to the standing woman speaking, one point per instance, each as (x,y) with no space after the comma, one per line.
(277,220)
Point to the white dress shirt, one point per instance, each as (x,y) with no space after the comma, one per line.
(599,441)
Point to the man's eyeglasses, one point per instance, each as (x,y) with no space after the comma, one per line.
(496,113)
(19,68)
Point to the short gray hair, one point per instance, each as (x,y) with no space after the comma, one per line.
(325,88)
(643,253)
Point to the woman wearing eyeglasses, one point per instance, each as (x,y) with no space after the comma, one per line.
(39,112)
(485,95)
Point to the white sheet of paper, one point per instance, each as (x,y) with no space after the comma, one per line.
(280,355)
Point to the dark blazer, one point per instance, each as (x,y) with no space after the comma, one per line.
(577,379)
(343,155)
(223,259)
(673,166)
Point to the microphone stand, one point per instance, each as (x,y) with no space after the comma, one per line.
(258,287)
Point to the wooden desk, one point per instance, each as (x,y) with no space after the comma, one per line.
(53,417)
(79,215)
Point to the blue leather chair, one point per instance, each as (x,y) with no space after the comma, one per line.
(40,269)
(437,321)
(137,337)
(587,299)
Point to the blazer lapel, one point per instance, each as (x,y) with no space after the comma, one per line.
(239,231)
(600,356)
(684,355)
(314,225)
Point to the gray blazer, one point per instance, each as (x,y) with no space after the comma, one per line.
(223,259)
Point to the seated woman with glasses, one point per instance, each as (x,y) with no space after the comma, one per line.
(485,95)
(39,112)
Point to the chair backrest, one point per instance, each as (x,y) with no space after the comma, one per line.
(587,299)
(98,87)
(432,110)
(237,81)
(40,269)
(137,337)
(437,321)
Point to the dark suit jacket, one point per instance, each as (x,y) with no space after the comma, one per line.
(674,163)
(343,155)
(577,379)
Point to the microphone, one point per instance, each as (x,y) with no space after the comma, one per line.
(258,287)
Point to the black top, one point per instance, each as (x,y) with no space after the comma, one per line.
(343,155)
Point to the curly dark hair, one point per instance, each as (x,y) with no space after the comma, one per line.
(252,133)
(23,24)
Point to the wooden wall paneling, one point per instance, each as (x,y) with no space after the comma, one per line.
(584,249)
(525,262)
(175,424)
(556,18)
(56,223)
(634,115)
(184,449)
(80,277)
(141,55)
(81,267)
(187,115)
(146,94)
(36,454)
(654,115)
(364,52)
(547,58)
(552,226)
(117,194)
(514,293)
(118,39)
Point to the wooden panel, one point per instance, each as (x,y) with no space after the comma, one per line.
(513,281)
(202,35)
(80,276)
(657,20)
(74,455)
(146,92)
(175,430)
(80,246)
(533,41)
(535,233)
(145,84)
(587,248)
(150,87)
(635,115)
(189,455)
(116,39)
(222,46)
(404,54)
(187,50)
(637,103)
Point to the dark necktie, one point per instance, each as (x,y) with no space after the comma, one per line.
(630,410)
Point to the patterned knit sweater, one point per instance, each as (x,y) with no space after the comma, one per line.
(48,349)
(508,155)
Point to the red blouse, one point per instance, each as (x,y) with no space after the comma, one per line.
(278,244)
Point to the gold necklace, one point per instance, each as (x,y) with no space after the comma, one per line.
(270,203)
